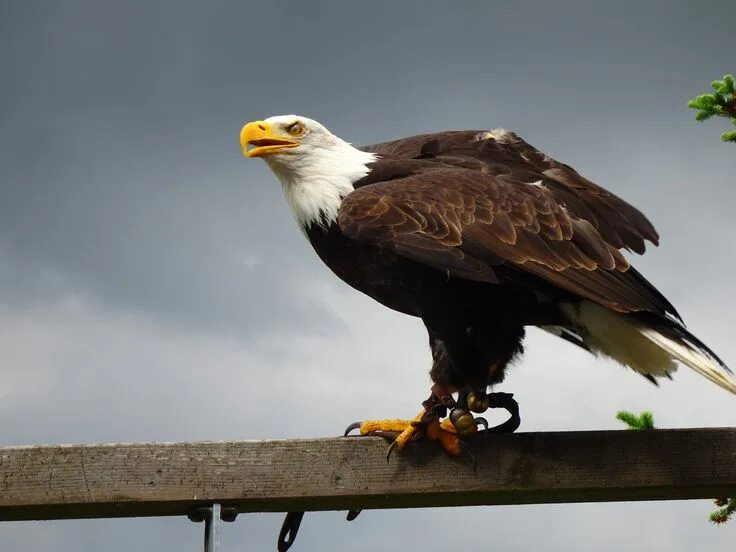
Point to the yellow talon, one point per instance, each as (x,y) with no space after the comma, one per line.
(447,425)
(371,426)
(410,430)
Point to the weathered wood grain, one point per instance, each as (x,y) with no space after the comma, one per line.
(121,480)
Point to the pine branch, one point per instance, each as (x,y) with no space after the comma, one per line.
(642,422)
(721,103)
(726,510)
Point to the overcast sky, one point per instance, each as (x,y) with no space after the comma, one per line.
(153,285)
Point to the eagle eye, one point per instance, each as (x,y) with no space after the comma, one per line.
(296,129)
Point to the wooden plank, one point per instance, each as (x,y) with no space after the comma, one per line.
(121,480)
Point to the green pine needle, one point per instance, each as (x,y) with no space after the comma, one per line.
(647,420)
(722,103)
(730,83)
(642,422)
(723,514)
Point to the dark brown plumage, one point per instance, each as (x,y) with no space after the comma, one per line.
(488,208)
(480,234)
(485,208)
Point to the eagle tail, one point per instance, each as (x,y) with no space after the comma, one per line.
(684,347)
(651,345)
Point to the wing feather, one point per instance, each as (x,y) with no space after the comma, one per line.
(504,155)
(485,209)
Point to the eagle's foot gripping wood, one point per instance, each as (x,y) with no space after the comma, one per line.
(403,431)
(427,425)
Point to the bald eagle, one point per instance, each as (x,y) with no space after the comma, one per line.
(478,234)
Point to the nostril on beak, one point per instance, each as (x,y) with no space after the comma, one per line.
(262,126)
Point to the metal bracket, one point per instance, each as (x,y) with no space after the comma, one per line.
(213,516)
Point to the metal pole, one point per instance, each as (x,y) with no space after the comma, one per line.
(212,525)
(213,517)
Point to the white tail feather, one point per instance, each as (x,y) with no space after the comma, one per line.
(691,356)
(643,348)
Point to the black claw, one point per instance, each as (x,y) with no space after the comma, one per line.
(352,514)
(481,422)
(391,449)
(351,427)
(466,451)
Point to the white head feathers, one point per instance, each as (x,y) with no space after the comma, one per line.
(318,173)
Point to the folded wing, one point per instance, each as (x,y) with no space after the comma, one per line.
(486,206)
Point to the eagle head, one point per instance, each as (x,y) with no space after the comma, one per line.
(285,135)
(316,168)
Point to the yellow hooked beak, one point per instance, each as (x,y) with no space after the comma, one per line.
(260,135)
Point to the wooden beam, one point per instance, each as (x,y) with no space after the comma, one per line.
(121,480)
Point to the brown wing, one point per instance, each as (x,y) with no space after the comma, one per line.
(504,154)
(477,225)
